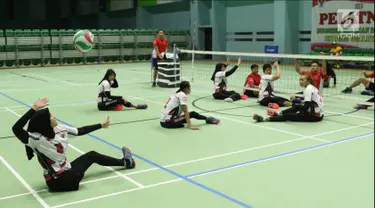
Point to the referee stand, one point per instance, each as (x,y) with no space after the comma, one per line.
(169,70)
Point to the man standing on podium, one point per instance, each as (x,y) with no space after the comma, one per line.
(160,49)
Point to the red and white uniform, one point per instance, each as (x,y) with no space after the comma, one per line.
(54,149)
(371,75)
(161,44)
(252,79)
(317,77)
(173,108)
(311,94)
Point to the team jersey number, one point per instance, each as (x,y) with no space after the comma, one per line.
(59,148)
(167,102)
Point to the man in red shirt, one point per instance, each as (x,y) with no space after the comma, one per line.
(160,48)
(317,73)
(368,84)
(252,81)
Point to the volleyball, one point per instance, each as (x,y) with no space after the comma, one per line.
(83,41)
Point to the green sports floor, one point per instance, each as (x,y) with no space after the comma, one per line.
(238,163)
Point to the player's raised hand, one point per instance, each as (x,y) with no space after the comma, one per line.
(239,61)
(40,103)
(276,64)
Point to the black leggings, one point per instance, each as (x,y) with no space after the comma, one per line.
(180,121)
(251,93)
(221,95)
(70,179)
(273,99)
(111,104)
(293,114)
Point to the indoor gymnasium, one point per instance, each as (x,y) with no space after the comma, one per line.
(166,104)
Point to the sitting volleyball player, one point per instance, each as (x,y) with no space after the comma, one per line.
(369,85)
(49,141)
(171,115)
(106,101)
(309,111)
(219,77)
(317,73)
(266,88)
(252,81)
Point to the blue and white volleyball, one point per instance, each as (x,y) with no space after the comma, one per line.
(83,41)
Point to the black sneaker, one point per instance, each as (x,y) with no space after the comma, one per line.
(153,84)
(258,118)
(129,161)
(347,90)
(211,120)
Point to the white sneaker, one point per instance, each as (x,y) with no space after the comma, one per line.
(229,100)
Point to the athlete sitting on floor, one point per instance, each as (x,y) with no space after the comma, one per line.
(49,141)
(369,86)
(106,101)
(171,114)
(252,81)
(310,111)
(266,96)
(366,105)
(219,77)
(317,73)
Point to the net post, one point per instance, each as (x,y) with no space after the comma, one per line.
(174,60)
(193,45)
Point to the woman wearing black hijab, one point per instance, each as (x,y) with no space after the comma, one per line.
(219,77)
(49,141)
(106,101)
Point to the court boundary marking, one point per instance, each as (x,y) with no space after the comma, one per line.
(265,159)
(200,185)
(201,159)
(146,159)
(81,152)
(83,102)
(24,183)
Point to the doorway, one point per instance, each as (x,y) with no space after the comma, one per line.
(208,42)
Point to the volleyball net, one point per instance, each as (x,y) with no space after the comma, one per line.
(348,69)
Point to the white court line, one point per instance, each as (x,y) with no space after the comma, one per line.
(170,165)
(244,122)
(24,183)
(62,87)
(81,152)
(343,114)
(116,193)
(200,159)
(49,78)
(72,103)
(111,169)
(203,174)
(353,116)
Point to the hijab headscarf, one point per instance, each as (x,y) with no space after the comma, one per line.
(217,69)
(40,123)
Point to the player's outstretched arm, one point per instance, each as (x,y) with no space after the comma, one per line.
(276,76)
(298,67)
(88,129)
(230,72)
